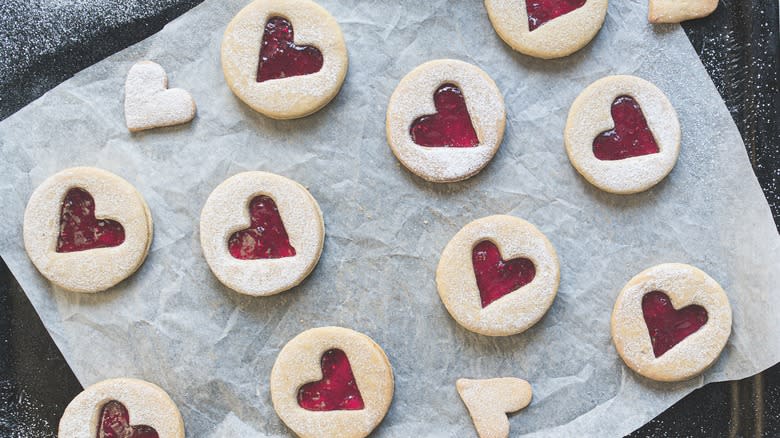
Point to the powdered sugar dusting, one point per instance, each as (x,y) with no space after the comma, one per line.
(148,101)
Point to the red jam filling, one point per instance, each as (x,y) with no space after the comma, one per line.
(280,57)
(667,326)
(337,391)
(266,237)
(115,423)
(80,229)
(497,277)
(542,11)
(631,137)
(450,126)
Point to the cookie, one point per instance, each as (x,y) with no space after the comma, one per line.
(671,322)
(284,58)
(622,134)
(498,276)
(86,229)
(261,233)
(489,400)
(331,382)
(676,11)
(122,408)
(148,101)
(445,120)
(547,28)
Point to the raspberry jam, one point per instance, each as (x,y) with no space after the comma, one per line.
(115,423)
(631,137)
(80,229)
(497,277)
(667,326)
(280,57)
(450,126)
(337,391)
(542,11)
(266,237)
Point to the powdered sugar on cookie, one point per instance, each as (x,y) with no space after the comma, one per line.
(148,101)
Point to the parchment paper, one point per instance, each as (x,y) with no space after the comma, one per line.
(212,349)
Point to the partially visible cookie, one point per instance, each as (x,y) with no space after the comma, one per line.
(332,382)
(622,134)
(445,120)
(86,229)
(122,408)
(284,58)
(547,29)
(671,322)
(498,275)
(676,11)
(149,103)
(489,400)
(261,233)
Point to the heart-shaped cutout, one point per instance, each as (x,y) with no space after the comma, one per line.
(148,101)
(542,11)
(80,229)
(631,136)
(337,391)
(497,277)
(666,325)
(450,126)
(266,237)
(115,423)
(280,57)
(489,400)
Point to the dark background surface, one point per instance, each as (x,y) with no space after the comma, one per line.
(44,42)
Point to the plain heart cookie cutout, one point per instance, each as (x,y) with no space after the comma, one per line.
(86,229)
(671,322)
(332,382)
(676,11)
(261,233)
(122,408)
(490,400)
(149,103)
(498,275)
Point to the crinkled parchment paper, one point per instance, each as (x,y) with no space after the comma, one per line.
(212,349)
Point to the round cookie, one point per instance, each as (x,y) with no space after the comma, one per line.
(261,233)
(671,322)
(112,405)
(332,382)
(498,276)
(637,149)
(87,259)
(428,100)
(302,48)
(546,29)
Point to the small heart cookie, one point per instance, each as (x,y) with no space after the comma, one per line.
(148,101)
(489,400)
(675,11)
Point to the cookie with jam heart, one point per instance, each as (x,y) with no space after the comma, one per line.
(261,233)
(121,408)
(498,276)
(671,322)
(547,28)
(445,120)
(86,229)
(622,134)
(284,58)
(332,382)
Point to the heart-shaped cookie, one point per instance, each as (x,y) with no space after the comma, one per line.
(542,11)
(668,326)
(336,391)
(489,400)
(80,229)
(631,137)
(280,57)
(148,101)
(115,423)
(450,126)
(266,237)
